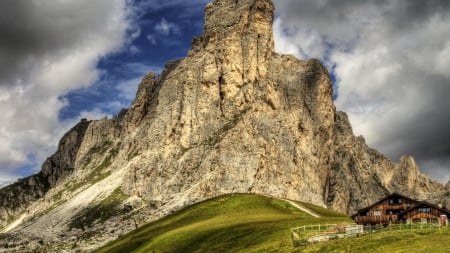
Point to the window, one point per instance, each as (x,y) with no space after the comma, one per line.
(424,210)
(376,213)
(391,201)
(390,212)
(399,201)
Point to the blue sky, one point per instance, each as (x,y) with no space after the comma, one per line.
(160,34)
(66,60)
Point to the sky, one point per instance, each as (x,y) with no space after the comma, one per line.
(63,60)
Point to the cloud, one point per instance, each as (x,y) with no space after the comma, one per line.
(167,28)
(151,38)
(127,87)
(134,49)
(49,48)
(4,183)
(169,19)
(115,91)
(391,62)
(165,32)
(94,114)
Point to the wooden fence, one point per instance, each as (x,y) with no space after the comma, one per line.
(308,234)
(323,232)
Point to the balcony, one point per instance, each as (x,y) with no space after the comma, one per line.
(382,219)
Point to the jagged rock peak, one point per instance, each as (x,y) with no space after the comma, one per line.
(16,197)
(62,163)
(132,117)
(225,17)
(239,34)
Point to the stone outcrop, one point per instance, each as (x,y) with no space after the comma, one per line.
(233,116)
(62,163)
(16,197)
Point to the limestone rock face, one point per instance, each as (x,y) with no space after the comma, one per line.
(16,197)
(62,163)
(233,116)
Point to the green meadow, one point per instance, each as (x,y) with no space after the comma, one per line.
(254,223)
(229,223)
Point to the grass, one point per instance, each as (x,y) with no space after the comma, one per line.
(100,212)
(230,223)
(253,223)
(101,148)
(398,241)
(132,154)
(219,134)
(322,211)
(96,175)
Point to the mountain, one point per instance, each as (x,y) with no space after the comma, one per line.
(233,116)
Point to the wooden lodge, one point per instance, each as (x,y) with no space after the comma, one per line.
(398,208)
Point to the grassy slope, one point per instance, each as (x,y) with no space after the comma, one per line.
(252,223)
(230,223)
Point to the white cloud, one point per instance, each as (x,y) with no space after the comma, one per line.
(127,88)
(167,28)
(58,54)
(391,62)
(134,49)
(94,114)
(164,31)
(151,38)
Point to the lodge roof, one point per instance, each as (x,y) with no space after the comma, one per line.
(417,204)
(428,204)
(383,199)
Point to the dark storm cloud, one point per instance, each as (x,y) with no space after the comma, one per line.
(391,61)
(423,130)
(23,29)
(341,20)
(32,30)
(14,43)
(410,12)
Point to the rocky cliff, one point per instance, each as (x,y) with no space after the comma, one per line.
(233,116)
(16,197)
